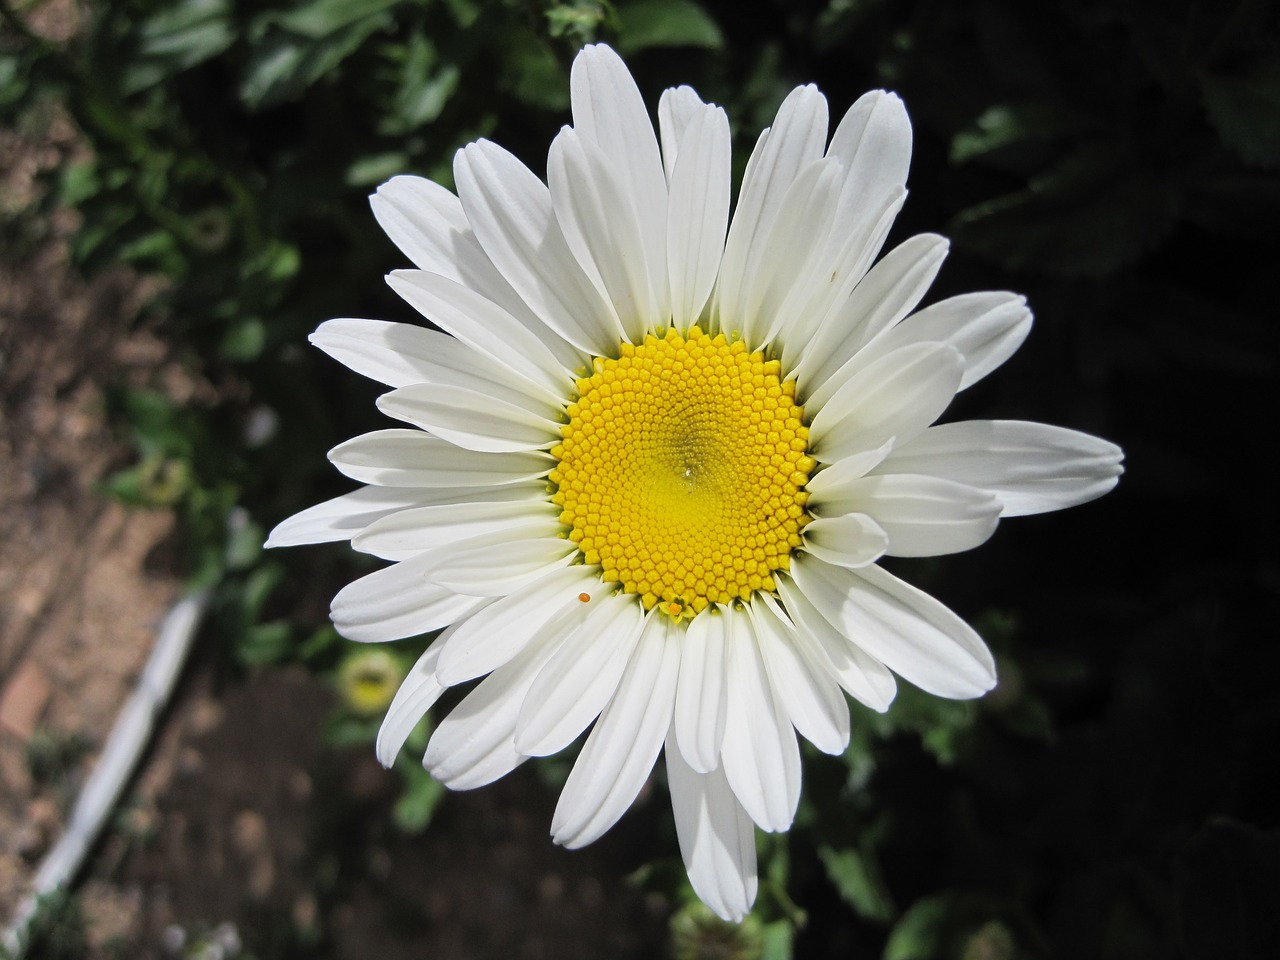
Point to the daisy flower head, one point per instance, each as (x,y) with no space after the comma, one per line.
(652,454)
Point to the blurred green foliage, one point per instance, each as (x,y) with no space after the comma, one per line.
(1117,159)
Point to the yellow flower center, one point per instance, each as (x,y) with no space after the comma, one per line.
(682,470)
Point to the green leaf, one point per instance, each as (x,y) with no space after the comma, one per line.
(858,880)
(244,341)
(323,18)
(1012,124)
(666,23)
(368,171)
(177,39)
(1245,110)
(778,941)
(417,805)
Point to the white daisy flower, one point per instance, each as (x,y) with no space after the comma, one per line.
(653,454)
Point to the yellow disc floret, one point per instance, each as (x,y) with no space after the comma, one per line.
(681,470)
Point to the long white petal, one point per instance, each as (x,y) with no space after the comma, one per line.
(496,565)
(494,635)
(849,540)
(575,685)
(698,215)
(886,294)
(717,839)
(795,140)
(343,517)
(601,226)
(622,747)
(475,744)
(1031,467)
(411,458)
(428,224)
(511,212)
(470,419)
(802,681)
(407,533)
(897,396)
(677,108)
(865,678)
(417,694)
(760,755)
(609,111)
(922,516)
(700,693)
(485,327)
(397,602)
(907,630)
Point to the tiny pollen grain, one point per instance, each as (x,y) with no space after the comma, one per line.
(682,470)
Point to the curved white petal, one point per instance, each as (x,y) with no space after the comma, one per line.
(700,692)
(601,226)
(922,516)
(886,294)
(677,108)
(609,111)
(417,694)
(510,210)
(698,214)
(475,743)
(802,681)
(796,139)
(865,678)
(1031,467)
(835,475)
(907,630)
(397,602)
(760,755)
(897,396)
(849,540)
(428,224)
(494,635)
(470,419)
(717,839)
(495,566)
(411,458)
(343,517)
(409,532)
(985,328)
(575,685)
(621,750)
(484,327)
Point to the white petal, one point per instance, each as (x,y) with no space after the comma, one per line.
(575,685)
(760,754)
(497,565)
(485,327)
(700,693)
(698,214)
(907,630)
(343,517)
(397,602)
(897,396)
(887,294)
(410,532)
(601,226)
(802,681)
(795,140)
(677,108)
(835,475)
(609,111)
(851,540)
(411,458)
(428,224)
(865,678)
(417,694)
(618,755)
(475,743)
(1031,467)
(470,419)
(923,516)
(717,840)
(497,633)
(986,329)
(401,355)
(510,210)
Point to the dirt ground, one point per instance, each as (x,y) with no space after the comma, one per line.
(242,834)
